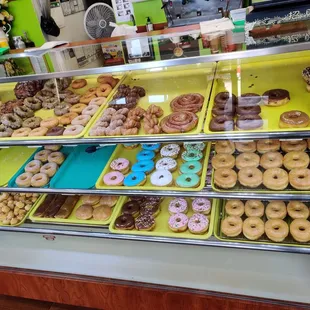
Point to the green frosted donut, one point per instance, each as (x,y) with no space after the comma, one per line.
(191,167)
(188,180)
(192,155)
(199,146)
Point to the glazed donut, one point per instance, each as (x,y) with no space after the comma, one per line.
(37,132)
(276,97)
(52,147)
(56,157)
(220,110)
(254,208)
(271,160)
(178,122)
(24,179)
(103,90)
(91,91)
(33,103)
(249,99)
(42,155)
(253,228)
(250,177)
(225,178)
(78,108)
(90,110)
(276,230)
(294,145)
(104,79)
(300,230)
(81,120)
(32,122)
(234,208)
(296,160)
(77,84)
(5,131)
(11,120)
(55,131)
(67,118)
(225,97)
(297,210)
(98,101)
(224,147)
(266,145)
(62,108)
(63,94)
(223,161)
(33,166)
(49,169)
(87,98)
(275,179)
(247,160)
(249,122)
(49,103)
(300,179)
(39,180)
(231,226)
(188,102)
(222,123)
(73,130)
(294,119)
(23,111)
(276,210)
(248,110)
(21,132)
(49,122)
(248,147)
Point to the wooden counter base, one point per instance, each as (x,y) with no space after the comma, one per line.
(111,294)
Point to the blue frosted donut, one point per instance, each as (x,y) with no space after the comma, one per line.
(145,155)
(145,166)
(188,180)
(191,167)
(135,179)
(151,147)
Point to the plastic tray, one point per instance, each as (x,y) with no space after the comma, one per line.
(258,77)
(162,229)
(10,161)
(71,220)
(6,93)
(81,169)
(162,87)
(120,151)
(220,214)
(66,150)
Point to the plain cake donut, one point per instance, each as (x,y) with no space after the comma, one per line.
(234,207)
(253,228)
(297,210)
(276,210)
(250,177)
(271,160)
(275,179)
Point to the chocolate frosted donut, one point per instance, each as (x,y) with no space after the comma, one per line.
(55,131)
(131,207)
(145,222)
(125,221)
(246,122)
(227,109)
(276,97)
(248,110)
(249,99)
(188,102)
(222,123)
(225,97)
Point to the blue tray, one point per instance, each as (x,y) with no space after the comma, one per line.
(66,150)
(82,169)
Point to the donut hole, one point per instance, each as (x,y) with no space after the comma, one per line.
(178,220)
(232,224)
(113,178)
(301,228)
(188,179)
(253,226)
(275,177)
(200,204)
(301,177)
(250,175)
(276,227)
(192,167)
(23,178)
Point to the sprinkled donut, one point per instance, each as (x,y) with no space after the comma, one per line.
(166,163)
(198,224)
(32,122)
(120,164)
(170,150)
(201,205)
(23,111)
(178,222)
(178,205)
(192,155)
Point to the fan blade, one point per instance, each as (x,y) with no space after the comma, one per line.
(98,13)
(92,23)
(98,33)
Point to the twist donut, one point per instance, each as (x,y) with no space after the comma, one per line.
(179,122)
(188,102)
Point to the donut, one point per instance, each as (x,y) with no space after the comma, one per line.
(135,179)
(49,169)
(24,179)
(294,145)
(90,199)
(249,122)
(32,122)
(234,207)
(179,122)
(250,177)
(275,179)
(249,147)
(11,120)
(108,200)
(52,147)
(253,228)
(39,180)
(72,99)
(297,210)
(49,103)
(247,160)
(300,179)
(201,205)
(114,178)
(249,99)
(224,147)
(90,110)
(120,164)
(220,110)
(276,210)
(43,95)
(300,230)
(161,178)
(23,111)
(166,163)
(51,86)
(198,224)
(103,79)
(254,208)
(178,222)
(56,157)
(5,131)
(102,213)
(33,103)
(222,123)
(231,226)
(145,155)
(271,160)
(49,122)
(84,212)
(103,90)
(42,155)
(192,155)
(125,222)
(55,131)
(62,108)
(170,150)
(91,91)
(98,101)
(145,222)
(145,166)
(77,84)
(276,97)
(177,205)
(296,159)
(225,178)
(266,145)
(33,166)
(276,230)
(191,167)
(223,98)
(78,108)
(200,146)
(21,132)
(87,98)
(81,120)
(294,119)
(67,118)
(63,94)
(189,102)
(38,132)
(131,208)
(248,110)
(73,130)
(188,180)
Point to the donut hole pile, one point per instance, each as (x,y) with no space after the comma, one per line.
(271,164)
(277,221)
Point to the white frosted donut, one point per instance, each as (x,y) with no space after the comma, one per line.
(166,163)
(98,101)
(170,150)
(90,110)
(161,178)
(81,120)
(33,166)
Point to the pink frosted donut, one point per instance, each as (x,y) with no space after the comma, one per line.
(178,222)
(120,164)
(178,205)
(201,205)
(198,224)
(113,178)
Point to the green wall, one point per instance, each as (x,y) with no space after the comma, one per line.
(150,8)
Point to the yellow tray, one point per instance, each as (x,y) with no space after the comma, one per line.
(120,151)
(162,87)
(71,220)
(220,214)
(7,93)
(266,74)
(162,229)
